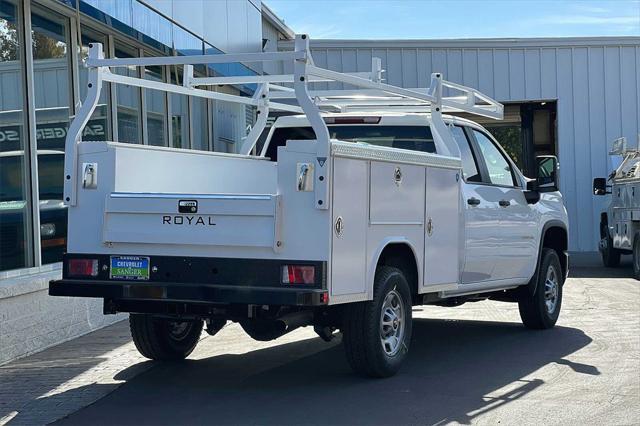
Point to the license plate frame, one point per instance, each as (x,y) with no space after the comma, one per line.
(129,268)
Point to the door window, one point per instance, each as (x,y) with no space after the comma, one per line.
(498,167)
(469,166)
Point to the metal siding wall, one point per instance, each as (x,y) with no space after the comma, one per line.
(517,74)
(470,70)
(424,67)
(628,85)
(485,72)
(409,67)
(597,126)
(597,87)
(532,70)
(566,145)
(581,142)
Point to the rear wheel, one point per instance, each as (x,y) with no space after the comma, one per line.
(377,334)
(541,310)
(163,339)
(636,255)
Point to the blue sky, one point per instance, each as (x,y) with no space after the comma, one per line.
(406,19)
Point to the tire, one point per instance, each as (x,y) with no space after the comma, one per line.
(636,255)
(363,329)
(162,339)
(610,254)
(541,310)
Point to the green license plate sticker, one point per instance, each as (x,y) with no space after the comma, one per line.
(134,268)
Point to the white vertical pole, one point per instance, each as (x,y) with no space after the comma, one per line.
(74,134)
(315,119)
(445,144)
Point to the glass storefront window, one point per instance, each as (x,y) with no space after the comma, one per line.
(98,128)
(155,102)
(128,101)
(155,28)
(14,202)
(199,124)
(50,34)
(179,115)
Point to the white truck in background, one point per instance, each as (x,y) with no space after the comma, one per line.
(620,223)
(368,202)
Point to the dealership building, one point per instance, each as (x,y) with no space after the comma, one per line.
(568,97)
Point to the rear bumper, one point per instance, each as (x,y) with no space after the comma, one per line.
(188,293)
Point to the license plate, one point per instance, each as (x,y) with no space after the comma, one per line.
(135,268)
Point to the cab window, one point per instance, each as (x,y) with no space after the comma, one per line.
(498,168)
(469,167)
(414,138)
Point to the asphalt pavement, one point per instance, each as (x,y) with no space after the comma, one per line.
(473,364)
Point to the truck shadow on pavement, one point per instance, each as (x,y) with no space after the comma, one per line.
(456,371)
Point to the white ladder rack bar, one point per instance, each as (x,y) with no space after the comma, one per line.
(221,58)
(181,90)
(368,84)
(270,78)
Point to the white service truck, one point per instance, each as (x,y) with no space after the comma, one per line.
(620,223)
(370,201)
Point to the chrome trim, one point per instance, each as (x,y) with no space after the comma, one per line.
(196,196)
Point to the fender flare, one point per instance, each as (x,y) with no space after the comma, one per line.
(373,265)
(552,223)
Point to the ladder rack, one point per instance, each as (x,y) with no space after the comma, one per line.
(284,92)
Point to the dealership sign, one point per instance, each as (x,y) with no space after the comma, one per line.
(50,135)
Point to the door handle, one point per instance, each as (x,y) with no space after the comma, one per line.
(504,203)
(473,201)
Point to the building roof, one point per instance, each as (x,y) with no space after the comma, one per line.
(471,42)
(277,22)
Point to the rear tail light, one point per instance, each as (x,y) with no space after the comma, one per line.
(83,267)
(298,274)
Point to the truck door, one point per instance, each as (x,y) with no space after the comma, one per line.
(515,237)
(481,216)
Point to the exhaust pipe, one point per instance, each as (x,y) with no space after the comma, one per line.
(290,322)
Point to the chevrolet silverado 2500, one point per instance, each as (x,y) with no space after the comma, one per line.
(371,200)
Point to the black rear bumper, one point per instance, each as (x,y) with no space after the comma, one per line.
(196,280)
(188,293)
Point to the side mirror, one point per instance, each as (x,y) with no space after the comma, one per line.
(600,186)
(547,166)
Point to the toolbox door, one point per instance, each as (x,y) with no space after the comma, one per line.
(442,227)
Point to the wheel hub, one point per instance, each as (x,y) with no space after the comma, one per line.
(392,325)
(179,329)
(551,287)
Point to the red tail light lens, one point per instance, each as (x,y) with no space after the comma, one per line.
(298,274)
(83,267)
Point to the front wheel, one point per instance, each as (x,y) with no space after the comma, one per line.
(377,334)
(163,339)
(610,254)
(541,310)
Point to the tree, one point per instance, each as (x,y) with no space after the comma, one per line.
(8,41)
(47,48)
(44,47)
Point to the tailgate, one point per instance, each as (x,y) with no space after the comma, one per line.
(199,219)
